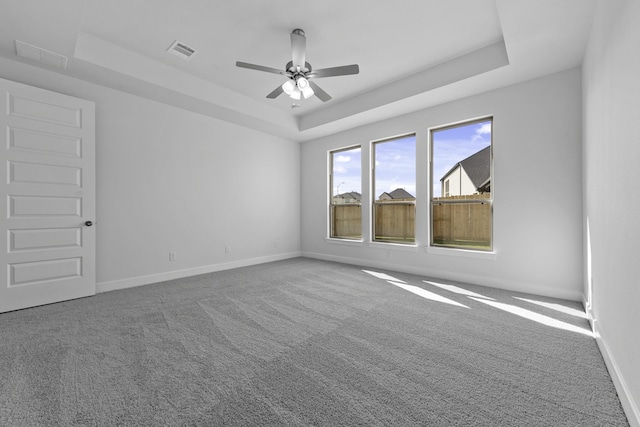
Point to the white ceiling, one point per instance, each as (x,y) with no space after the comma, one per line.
(412,53)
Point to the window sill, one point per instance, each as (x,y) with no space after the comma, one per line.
(463,253)
(394,246)
(345,242)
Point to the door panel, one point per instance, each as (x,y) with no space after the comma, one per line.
(47,193)
(34,173)
(44,111)
(51,270)
(44,238)
(22,139)
(40,206)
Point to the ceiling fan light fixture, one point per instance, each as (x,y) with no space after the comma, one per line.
(308,92)
(302,83)
(289,87)
(295,94)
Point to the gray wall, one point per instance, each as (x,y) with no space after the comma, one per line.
(612,192)
(171,180)
(537,191)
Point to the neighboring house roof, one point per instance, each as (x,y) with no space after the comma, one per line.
(351,195)
(398,193)
(478,168)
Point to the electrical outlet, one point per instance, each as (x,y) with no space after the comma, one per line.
(227,250)
(172,256)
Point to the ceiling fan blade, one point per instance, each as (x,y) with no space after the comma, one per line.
(345,70)
(261,68)
(298,48)
(276,92)
(321,94)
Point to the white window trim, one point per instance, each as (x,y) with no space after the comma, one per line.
(455,251)
(329,238)
(372,241)
(343,241)
(461,253)
(407,247)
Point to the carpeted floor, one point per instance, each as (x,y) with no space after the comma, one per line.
(304,342)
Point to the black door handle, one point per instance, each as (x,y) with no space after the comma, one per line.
(88,223)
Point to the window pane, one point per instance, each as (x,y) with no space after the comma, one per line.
(461,186)
(395,222)
(394,190)
(466,225)
(346,199)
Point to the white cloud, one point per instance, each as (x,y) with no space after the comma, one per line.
(485,129)
(342,159)
(340,169)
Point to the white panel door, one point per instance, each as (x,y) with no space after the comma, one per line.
(47,197)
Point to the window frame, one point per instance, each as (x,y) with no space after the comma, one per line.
(374,190)
(330,225)
(482,200)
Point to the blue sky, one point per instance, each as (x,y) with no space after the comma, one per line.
(347,174)
(395,165)
(455,144)
(396,160)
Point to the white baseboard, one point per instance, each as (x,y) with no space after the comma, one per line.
(179,274)
(630,407)
(459,277)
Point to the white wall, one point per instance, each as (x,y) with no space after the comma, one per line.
(611,79)
(537,232)
(172,180)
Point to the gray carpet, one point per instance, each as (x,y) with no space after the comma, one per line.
(302,342)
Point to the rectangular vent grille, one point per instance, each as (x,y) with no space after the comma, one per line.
(182,50)
(43,56)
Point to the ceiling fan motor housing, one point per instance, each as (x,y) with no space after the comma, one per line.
(294,70)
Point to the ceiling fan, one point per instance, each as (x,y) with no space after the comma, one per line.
(299,72)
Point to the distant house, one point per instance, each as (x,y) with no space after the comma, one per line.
(352,197)
(397,195)
(469,176)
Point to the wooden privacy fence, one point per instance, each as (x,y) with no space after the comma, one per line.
(347,221)
(395,221)
(467,222)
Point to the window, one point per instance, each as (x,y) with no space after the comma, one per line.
(461,177)
(394,189)
(345,205)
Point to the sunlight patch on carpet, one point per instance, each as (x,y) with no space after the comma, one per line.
(426,294)
(456,290)
(557,307)
(536,317)
(383,276)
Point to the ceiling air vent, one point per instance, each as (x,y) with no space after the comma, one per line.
(43,56)
(182,50)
